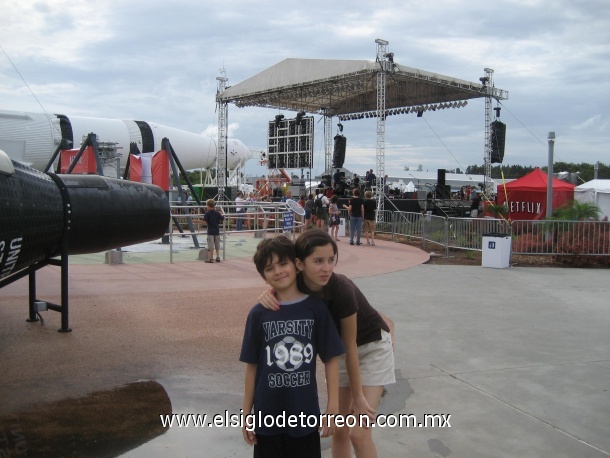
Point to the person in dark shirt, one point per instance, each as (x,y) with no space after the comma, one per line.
(368,224)
(213,217)
(337,178)
(280,349)
(371,179)
(476,202)
(355,210)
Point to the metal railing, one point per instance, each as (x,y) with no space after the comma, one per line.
(262,217)
(546,237)
(567,238)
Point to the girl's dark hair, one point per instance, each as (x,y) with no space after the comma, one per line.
(310,240)
(334,199)
(281,246)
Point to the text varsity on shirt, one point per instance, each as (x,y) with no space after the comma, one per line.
(284,346)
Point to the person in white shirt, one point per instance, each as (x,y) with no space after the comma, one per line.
(240,210)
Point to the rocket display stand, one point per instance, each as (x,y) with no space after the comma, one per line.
(35,306)
(176,167)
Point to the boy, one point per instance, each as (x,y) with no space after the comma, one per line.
(213,217)
(280,349)
(370,206)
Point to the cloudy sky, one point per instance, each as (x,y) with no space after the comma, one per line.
(158,61)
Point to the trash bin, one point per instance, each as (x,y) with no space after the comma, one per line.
(496,250)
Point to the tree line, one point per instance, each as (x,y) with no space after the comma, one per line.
(585,171)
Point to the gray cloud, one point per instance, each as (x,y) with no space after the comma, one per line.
(158,61)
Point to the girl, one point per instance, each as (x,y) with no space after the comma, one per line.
(335,215)
(368,363)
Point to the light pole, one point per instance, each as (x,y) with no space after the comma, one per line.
(549,184)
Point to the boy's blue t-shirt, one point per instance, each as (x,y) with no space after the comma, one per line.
(284,346)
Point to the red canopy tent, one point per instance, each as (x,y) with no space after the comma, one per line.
(526,197)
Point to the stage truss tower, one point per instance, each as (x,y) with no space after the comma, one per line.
(221,153)
(487,80)
(328,143)
(385,60)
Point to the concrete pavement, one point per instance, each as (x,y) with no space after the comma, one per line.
(518,357)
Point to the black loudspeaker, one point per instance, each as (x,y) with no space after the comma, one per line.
(339,151)
(443,192)
(498,138)
(440,180)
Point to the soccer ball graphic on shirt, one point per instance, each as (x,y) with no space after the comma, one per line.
(290,354)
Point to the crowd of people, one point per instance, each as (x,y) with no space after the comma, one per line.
(323,212)
(320,212)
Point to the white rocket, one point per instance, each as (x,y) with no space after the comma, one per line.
(32,138)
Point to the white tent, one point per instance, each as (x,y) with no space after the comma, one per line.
(597,192)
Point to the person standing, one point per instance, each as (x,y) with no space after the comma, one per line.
(370,179)
(334,220)
(301,203)
(213,217)
(368,226)
(321,204)
(280,350)
(240,210)
(476,202)
(250,201)
(355,210)
(309,210)
(336,178)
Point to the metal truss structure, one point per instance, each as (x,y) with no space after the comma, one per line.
(352,89)
(487,81)
(385,61)
(328,143)
(221,151)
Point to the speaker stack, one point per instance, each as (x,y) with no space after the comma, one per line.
(443,190)
(498,138)
(339,151)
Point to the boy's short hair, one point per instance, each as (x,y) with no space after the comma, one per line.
(357,192)
(210,203)
(281,246)
(368,194)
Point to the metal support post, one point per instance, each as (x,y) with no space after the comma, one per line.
(549,182)
(385,65)
(487,80)
(221,154)
(328,143)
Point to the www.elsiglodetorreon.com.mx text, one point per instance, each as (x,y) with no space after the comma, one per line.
(251,421)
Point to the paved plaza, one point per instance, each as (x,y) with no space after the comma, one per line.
(516,360)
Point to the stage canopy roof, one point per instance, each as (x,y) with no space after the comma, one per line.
(342,87)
